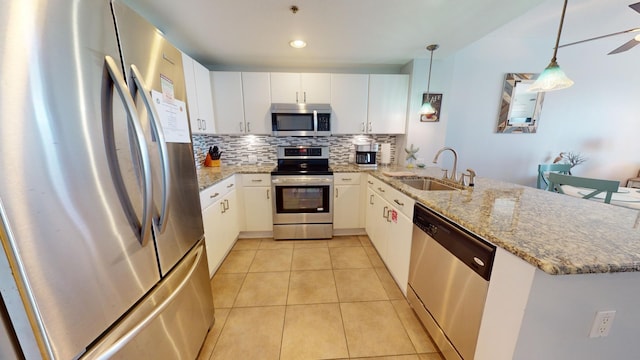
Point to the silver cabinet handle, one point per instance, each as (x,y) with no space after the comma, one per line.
(369,182)
(156,127)
(385,213)
(398,202)
(240,123)
(370,127)
(226,204)
(370,199)
(381,189)
(362,127)
(248,127)
(305,97)
(256,180)
(230,186)
(224,209)
(113,79)
(214,195)
(297,97)
(347,179)
(336,193)
(388,217)
(268,194)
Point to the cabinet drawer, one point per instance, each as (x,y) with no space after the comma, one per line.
(346,178)
(400,201)
(256,179)
(377,185)
(213,193)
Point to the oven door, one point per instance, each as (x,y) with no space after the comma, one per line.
(302,199)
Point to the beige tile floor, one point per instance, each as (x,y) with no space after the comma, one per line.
(311,299)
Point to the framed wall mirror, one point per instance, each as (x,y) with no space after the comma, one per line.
(519,108)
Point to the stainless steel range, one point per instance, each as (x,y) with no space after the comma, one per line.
(302,186)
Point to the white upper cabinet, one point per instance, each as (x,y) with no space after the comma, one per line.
(199,100)
(227,102)
(349,101)
(256,87)
(295,88)
(242,102)
(388,95)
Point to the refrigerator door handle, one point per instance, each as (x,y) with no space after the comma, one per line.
(113,79)
(121,342)
(156,127)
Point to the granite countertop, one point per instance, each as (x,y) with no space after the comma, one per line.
(557,233)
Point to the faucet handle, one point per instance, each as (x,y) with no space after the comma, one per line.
(472,175)
(462,179)
(445,176)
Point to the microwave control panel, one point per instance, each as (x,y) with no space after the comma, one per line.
(324,121)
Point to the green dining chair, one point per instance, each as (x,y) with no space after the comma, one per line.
(597,185)
(545,169)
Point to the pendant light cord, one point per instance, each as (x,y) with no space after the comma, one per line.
(555,49)
(431,48)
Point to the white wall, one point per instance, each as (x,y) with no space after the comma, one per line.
(428,136)
(599,116)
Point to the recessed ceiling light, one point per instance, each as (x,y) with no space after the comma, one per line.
(297,44)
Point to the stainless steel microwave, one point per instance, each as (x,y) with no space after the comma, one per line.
(301,119)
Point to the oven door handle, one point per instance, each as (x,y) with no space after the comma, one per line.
(301,181)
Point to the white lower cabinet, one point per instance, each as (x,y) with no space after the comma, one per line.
(258,202)
(389,224)
(221,222)
(347,208)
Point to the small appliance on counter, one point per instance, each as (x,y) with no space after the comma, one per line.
(366,155)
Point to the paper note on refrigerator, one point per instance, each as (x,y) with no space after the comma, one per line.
(173,117)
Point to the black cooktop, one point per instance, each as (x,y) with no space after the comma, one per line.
(302,167)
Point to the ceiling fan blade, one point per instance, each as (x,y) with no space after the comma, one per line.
(600,37)
(626,46)
(635,6)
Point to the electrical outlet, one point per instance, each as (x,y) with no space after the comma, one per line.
(602,323)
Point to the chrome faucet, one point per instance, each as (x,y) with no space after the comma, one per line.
(452,177)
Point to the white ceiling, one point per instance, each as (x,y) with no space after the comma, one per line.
(363,35)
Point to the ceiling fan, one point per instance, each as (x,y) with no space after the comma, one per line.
(626,46)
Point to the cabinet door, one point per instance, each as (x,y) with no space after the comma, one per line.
(230,218)
(228,102)
(205,101)
(197,127)
(258,208)
(349,100)
(376,222)
(285,88)
(346,207)
(388,94)
(315,88)
(214,235)
(256,89)
(399,248)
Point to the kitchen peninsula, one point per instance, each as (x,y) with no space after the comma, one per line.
(560,260)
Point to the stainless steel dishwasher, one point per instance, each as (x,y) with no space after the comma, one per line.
(448,281)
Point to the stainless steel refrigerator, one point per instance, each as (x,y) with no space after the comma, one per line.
(100,223)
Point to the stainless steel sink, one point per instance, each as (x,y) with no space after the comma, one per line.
(427,183)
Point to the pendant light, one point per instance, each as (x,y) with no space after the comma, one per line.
(427,108)
(553,78)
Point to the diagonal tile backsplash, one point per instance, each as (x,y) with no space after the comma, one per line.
(237,148)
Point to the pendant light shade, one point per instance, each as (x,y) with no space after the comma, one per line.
(427,108)
(553,78)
